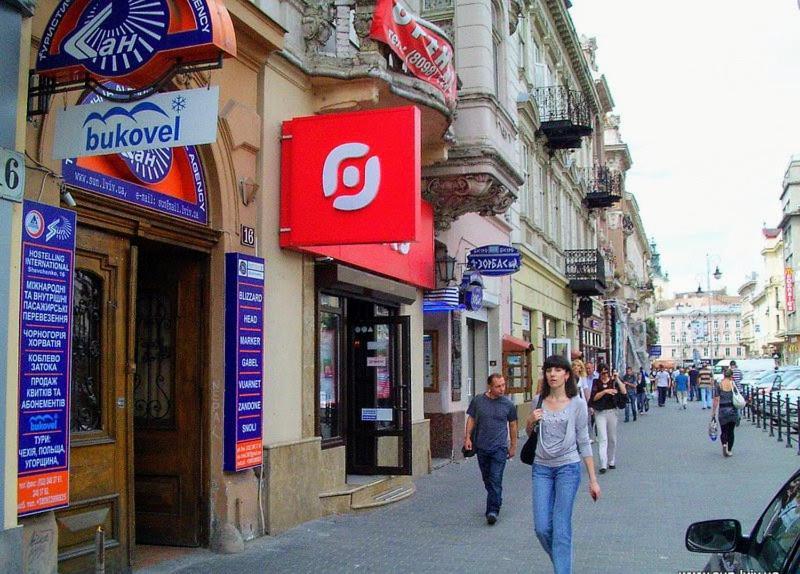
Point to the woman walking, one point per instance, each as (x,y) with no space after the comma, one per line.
(604,404)
(726,413)
(563,442)
(583,379)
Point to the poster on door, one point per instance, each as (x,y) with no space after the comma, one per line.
(48,261)
(244,368)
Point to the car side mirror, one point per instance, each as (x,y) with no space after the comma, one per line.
(711,536)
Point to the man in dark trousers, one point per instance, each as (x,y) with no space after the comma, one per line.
(693,390)
(493,418)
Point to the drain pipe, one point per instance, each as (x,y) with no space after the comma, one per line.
(99,551)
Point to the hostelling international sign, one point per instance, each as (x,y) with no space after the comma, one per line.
(422,46)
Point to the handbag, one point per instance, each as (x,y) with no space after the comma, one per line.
(738,400)
(528,452)
(713,429)
(621,399)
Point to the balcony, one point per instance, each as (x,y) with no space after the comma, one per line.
(586,272)
(565,116)
(605,188)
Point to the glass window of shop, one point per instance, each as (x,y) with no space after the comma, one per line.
(329,367)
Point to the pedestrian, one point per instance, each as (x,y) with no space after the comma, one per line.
(605,409)
(705,382)
(670,371)
(642,403)
(681,387)
(493,418)
(582,377)
(592,374)
(663,383)
(726,414)
(694,392)
(563,442)
(629,382)
(737,373)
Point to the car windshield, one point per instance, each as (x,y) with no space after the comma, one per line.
(752,375)
(779,528)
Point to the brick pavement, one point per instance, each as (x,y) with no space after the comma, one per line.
(668,474)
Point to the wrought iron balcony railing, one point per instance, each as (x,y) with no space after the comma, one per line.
(586,272)
(565,116)
(605,188)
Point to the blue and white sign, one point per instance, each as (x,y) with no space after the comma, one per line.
(655,350)
(171,119)
(48,264)
(494,260)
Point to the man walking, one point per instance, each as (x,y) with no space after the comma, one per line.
(629,380)
(641,392)
(737,373)
(493,418)
(681,387)
(694,393)
(705,380)
(662,384)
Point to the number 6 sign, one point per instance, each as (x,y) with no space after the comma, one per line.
(12,175)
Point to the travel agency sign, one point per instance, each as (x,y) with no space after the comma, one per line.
(135,42)
(494,260)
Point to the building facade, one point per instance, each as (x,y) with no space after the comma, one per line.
(768,300)
(790,229)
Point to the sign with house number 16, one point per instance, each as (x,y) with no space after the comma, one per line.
(12,175)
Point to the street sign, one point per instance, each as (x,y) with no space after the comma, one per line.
(494,260)
(171,119)
(655,350)
(12,175)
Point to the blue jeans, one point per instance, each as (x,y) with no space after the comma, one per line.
(492,464)
(640,398)
(554,491)
(705,396)
(631,406)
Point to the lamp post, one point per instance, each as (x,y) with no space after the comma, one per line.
(717,275)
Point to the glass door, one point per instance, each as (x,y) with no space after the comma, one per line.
(561,347)
(379,441)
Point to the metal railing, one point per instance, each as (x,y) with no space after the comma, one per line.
(585,264)
(560,104)
(775,413)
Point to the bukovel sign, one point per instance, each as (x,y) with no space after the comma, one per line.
(135,42)
(172,119)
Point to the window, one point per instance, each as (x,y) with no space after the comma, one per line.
(727,324)
(525,206)
(727,351)
(672,338)
(672,326)
(330,331)
(727,337)
(674,352)
(778,529)
(497,46)
(738,351)
(738,323)
(716,324)
(430,361)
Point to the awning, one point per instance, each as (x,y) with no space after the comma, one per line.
(515,344)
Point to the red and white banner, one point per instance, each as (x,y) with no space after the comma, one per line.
(788,278)
(421,45)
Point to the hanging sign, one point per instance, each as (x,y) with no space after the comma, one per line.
(132,41)
(48,261)
(244,346)
(788,277)
(423,47)
(166,180)
(171,119)
(494,260)
(654,350)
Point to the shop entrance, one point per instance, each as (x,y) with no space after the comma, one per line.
(378,390)
(136,412)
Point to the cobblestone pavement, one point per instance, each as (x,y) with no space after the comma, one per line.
(668,475)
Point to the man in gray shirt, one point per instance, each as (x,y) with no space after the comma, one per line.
(493,418)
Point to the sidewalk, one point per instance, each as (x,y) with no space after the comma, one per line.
(668,475)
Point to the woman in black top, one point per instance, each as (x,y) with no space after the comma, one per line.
(728,415)
(603,402)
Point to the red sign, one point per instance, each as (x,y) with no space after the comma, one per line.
(135,42)
(408,262)
(351,178)
(421,45)
(788,278)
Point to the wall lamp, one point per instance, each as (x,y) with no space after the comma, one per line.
(446,268)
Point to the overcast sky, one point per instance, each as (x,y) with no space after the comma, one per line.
(709,97)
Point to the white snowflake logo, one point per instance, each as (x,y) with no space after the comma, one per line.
(178,104)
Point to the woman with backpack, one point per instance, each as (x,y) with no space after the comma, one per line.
(724,410)
(563,441)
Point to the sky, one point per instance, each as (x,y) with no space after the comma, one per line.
(708,93)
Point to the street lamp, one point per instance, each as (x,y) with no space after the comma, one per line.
(717,275)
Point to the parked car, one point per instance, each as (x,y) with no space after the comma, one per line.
(744,365)
(772,546)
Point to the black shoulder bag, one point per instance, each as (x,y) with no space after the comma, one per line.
(528,452)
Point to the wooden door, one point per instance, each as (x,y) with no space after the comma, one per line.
(167,398)
(99,422)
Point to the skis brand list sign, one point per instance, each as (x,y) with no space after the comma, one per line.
(48,254)
(244,344)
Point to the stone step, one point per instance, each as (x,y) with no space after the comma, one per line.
(373,493)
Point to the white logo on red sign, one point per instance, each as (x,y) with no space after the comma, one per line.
(351,176)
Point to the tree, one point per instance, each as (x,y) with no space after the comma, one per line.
(652,331)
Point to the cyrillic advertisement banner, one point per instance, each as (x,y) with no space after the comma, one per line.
(421,45)
(788,277)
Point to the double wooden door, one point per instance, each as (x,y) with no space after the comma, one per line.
(135,415)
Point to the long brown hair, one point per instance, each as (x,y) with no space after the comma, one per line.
(559,362)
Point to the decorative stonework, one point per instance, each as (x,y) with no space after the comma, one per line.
(627,224)
(318,19)
(514,14)
(453,196)
(436,5)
